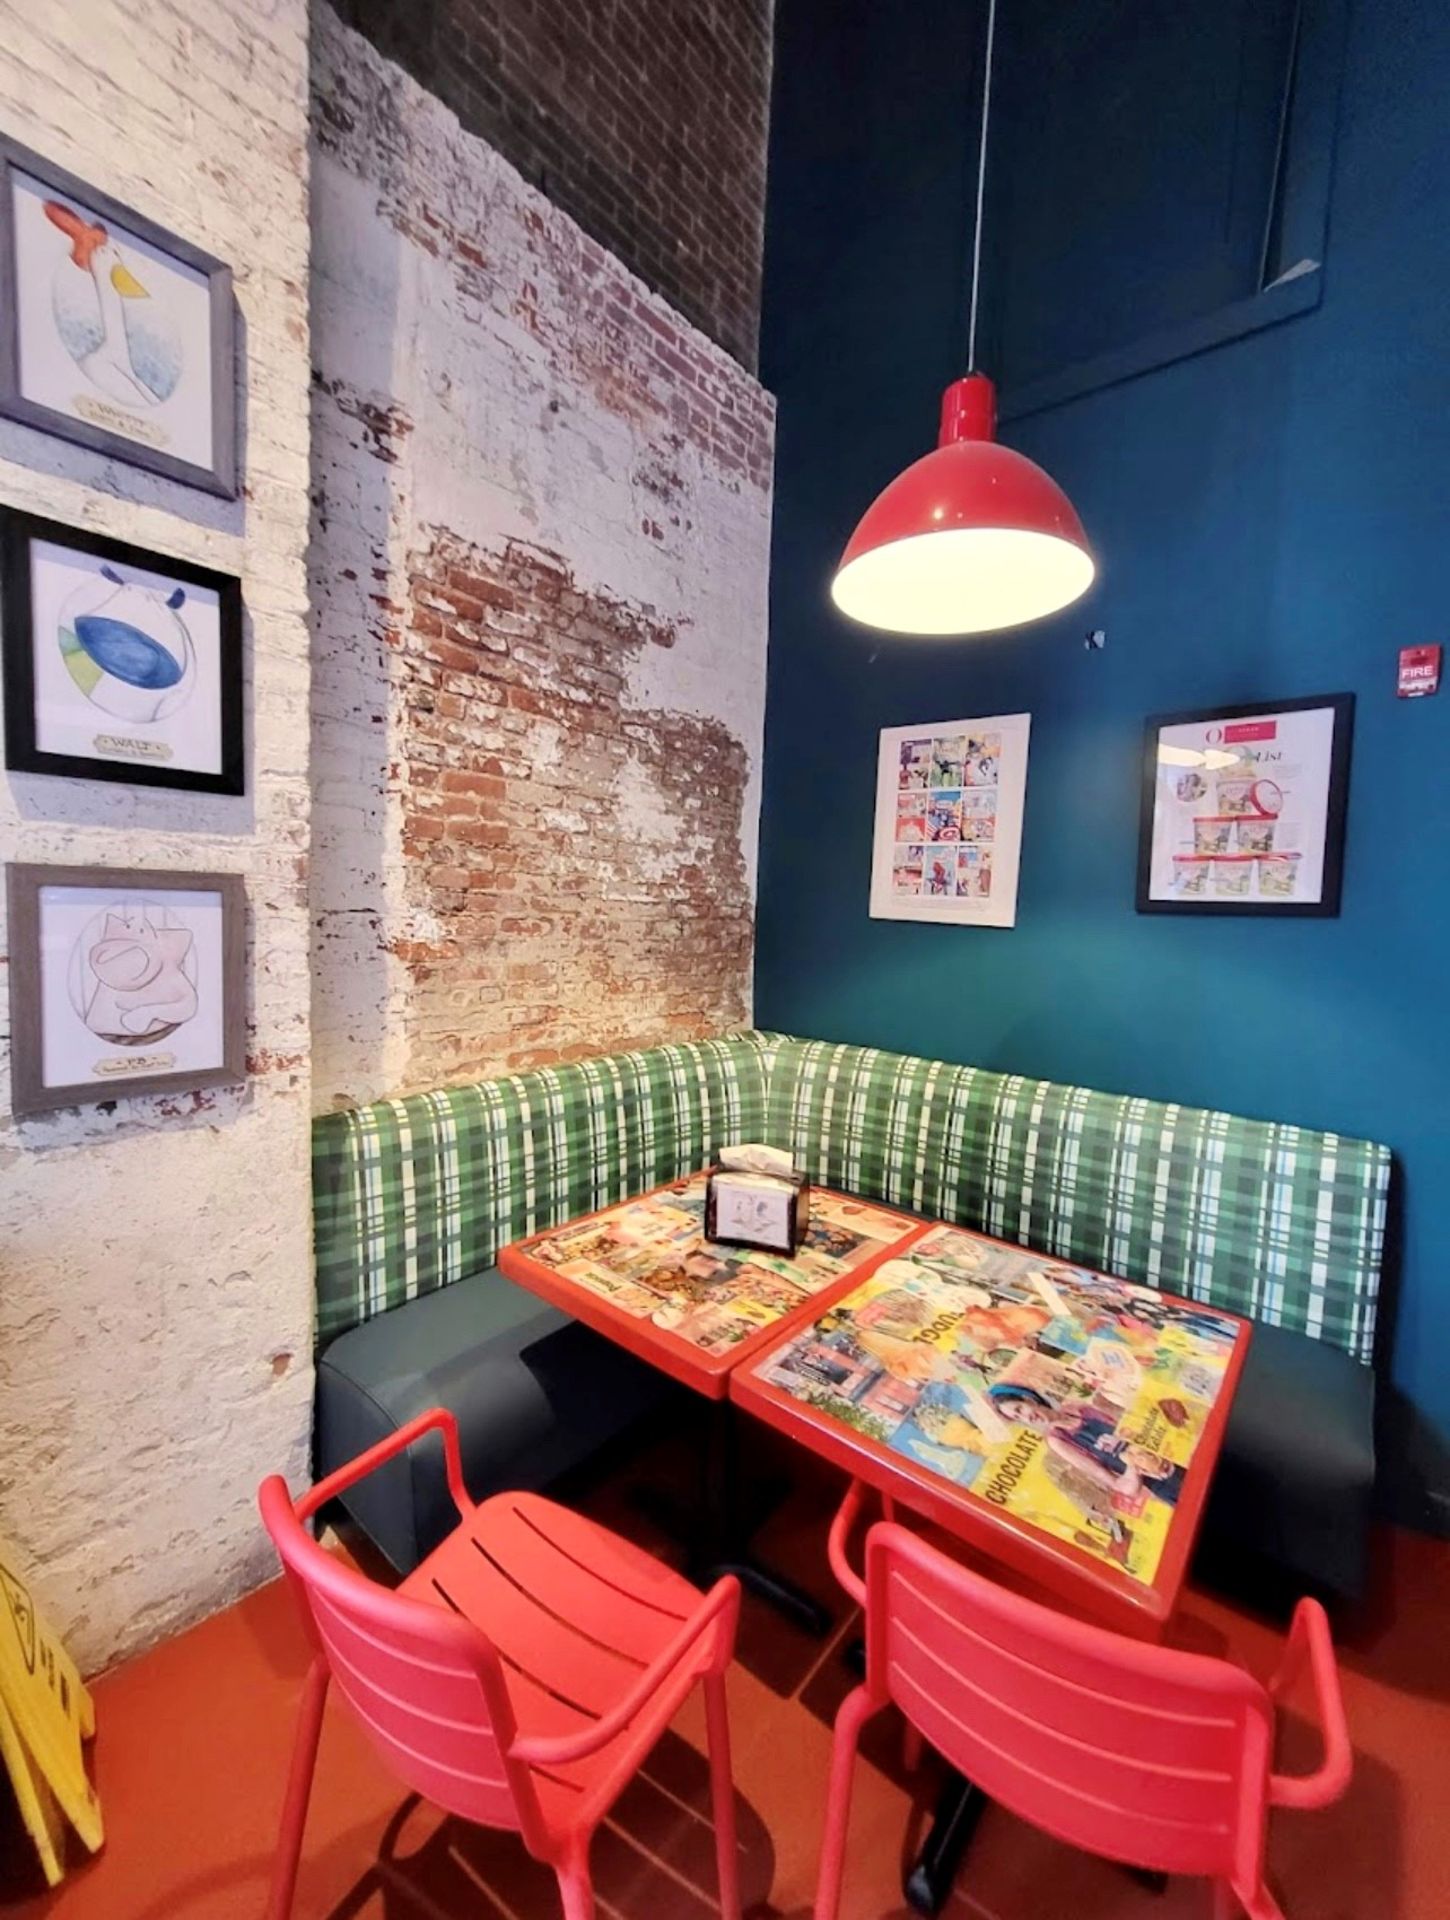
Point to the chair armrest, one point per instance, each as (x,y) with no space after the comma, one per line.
(1310,1639)
(841,1527)
(719,1609)
(436,1420)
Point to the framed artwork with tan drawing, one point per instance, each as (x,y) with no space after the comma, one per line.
(123,983)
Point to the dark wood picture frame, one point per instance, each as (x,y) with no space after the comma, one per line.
(1336,808)
(29,1093)
(221,476)
(17,659)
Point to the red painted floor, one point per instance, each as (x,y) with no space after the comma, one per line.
(194,1736)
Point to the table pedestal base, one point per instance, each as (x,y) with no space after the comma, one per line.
(719,1544)
(772,1587)
(715,1531)
(958,1809)
(928,1883)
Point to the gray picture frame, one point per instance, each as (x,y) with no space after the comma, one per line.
(221,476)
(29,1093)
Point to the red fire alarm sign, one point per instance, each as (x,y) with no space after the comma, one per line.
(1419,671)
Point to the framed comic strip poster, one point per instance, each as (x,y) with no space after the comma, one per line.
(949,800)
(123,983)
(1243,808)
(114,333)
(119,663)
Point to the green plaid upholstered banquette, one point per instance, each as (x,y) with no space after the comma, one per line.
(1276,1222)
(414,1195)
(411,1194)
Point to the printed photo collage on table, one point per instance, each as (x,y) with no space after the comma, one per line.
(650,1259)
(946,815)
(1071,1399)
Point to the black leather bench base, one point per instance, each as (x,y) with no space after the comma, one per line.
(1296,1477)
(534,1393)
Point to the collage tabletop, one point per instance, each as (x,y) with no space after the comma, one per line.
(643,1273)
(1065,1402)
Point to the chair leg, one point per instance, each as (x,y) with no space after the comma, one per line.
(722,1794)
(576,1889)
(1225,1901)
(911,1746)
(299,1790)
(1260,1904)
(855,1711)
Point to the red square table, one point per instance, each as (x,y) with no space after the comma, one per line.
(642,1274)
(1062,1422)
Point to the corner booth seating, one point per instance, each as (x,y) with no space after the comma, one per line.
(414,1197)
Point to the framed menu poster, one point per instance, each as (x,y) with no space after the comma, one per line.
(1244,808)
(949,799)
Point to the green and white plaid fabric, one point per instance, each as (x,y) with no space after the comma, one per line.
(1279,1223)
(411,1194)
(1276,1222)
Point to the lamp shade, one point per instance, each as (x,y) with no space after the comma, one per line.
(971,538)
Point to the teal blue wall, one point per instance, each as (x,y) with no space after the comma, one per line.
(1273,519)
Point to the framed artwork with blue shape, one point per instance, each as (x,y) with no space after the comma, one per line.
(119,663)
(114,333)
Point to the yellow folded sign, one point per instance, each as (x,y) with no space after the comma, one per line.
(45,1714)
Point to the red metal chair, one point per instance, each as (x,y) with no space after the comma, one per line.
(1146,1755)
(518,1678)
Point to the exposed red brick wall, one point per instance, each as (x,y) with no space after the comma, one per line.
(643,119)
(580,858)
(539,596)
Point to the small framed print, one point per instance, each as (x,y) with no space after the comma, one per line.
(114,333)
(1243,808)
(123,983)
(949,802)
(119,664)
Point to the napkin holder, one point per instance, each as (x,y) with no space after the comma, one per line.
(768,1212)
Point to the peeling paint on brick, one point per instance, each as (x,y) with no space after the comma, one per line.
(156,1253)
(645,120)
(540,544)
(495,254)
(579,860)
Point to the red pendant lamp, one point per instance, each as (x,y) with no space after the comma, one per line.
(973,537)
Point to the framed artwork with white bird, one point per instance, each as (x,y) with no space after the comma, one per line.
(114,333)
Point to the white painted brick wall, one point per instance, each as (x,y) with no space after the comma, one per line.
(155,1262)
(488,369)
